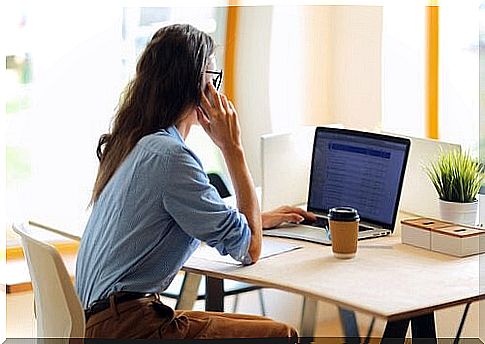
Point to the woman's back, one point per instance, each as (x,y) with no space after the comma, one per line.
(124,246)
(149,219)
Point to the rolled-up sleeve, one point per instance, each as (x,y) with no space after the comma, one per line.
(199,210)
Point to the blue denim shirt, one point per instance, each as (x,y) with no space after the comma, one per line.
(149,219)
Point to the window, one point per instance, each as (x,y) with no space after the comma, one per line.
(64,80)
(403,70)
(482,85)
(140,23)
(459,70)
(18,106)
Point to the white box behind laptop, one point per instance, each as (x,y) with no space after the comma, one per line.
(286,160)
(418,194)
(285,163)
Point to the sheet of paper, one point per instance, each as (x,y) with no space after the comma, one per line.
(270,248)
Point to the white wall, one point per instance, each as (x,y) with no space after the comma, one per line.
(355,78)
(342,63)
(306,65)
(286,74)
(318,47)
(252,70)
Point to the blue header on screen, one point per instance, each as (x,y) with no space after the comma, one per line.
(358,171)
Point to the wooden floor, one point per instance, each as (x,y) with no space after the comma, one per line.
(21,322)
(20,319)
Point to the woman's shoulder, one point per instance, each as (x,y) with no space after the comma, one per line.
(170,152)
(166,143)
(160,142)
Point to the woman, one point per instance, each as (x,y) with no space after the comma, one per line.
(153,204)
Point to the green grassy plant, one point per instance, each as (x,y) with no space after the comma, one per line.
(456,176)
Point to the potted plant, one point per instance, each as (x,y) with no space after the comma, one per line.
(457,177)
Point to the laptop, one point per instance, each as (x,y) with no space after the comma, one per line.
(355,169)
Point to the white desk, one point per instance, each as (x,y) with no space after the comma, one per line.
(386,279)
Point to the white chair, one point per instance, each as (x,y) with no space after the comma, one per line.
(58,309)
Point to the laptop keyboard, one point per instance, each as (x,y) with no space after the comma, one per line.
(322,222)
(317,231)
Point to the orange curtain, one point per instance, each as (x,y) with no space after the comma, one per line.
(432,70)
(230,53)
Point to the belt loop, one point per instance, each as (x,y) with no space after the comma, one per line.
(113,306)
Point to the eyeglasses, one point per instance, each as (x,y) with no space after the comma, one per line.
(217,80)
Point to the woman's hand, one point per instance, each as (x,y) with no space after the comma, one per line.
(220,120)
(276,217)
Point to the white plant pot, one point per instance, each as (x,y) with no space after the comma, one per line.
(460,213)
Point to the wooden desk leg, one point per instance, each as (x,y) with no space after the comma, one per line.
(395,332)
(189,291)
(349,324)
(423,329)
(214,294)
(308,317)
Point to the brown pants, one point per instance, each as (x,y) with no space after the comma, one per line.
(150,319)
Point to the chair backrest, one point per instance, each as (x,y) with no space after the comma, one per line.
(58,309)
(216,180)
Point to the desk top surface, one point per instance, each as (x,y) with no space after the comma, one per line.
(386,279)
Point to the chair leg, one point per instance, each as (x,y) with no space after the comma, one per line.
(308,315)
(349,325)
(214,294)
(236,301)
(462,322)
(189,291)
(369,331)
(261,302)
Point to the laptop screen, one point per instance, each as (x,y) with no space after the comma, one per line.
(360,170)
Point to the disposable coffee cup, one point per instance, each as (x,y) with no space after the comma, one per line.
(344,228)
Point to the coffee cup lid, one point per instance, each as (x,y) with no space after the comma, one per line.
(343,214)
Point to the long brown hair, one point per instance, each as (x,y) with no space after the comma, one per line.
(168,81)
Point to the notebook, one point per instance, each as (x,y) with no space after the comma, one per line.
(270,248)
(354,169)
